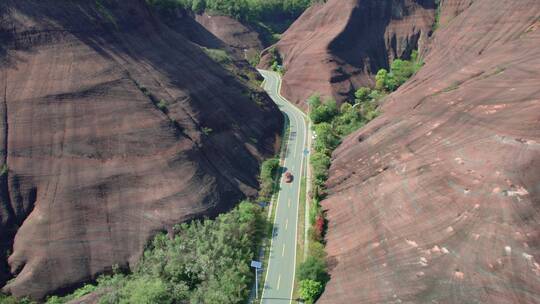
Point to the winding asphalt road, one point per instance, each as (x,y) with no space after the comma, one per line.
(279,281)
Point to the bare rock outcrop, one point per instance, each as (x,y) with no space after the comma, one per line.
(113,127)
(337,46)
(438,199)
(244,41)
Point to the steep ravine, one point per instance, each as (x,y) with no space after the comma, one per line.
(437,200)
(116,127)
(337,46)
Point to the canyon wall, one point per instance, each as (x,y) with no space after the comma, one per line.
(113,127)
(438,199)
(338,46)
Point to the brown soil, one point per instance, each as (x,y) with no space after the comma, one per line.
(96,168)
(437,200)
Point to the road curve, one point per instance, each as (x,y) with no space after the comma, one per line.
(279,281)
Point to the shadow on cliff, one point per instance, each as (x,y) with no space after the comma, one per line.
(365,37)
(129,34)
(139,36)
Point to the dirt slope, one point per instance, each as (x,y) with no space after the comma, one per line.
(95,167)
(336,47)
(438,200)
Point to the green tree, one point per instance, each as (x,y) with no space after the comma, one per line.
(146,290)
(269,170)
(327,140)
(314,101)
(314,268)
(380,79)
(349,121)
(320,163)
(401,71)
(375,95)
(5,299)
(252,11)
(362,94)
(310,290)
(325,112)
(207,261)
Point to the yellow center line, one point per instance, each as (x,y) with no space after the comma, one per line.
(283,251)
(286,223)
(278,282)
(289,203)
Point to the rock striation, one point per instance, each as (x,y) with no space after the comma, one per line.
(338,46)
(113,126)
(438,199)
(244,41)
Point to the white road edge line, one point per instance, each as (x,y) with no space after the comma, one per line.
(274,224)
(270,74)
(296,225)
(297,209)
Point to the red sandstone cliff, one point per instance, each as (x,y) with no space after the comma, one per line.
(95,166)
(438,200)
(338,46)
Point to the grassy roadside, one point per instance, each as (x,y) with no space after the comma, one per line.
(300,233)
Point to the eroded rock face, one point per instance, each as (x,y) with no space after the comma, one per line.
(437,200)
(113,127)
(243,40)
(218,32)
(338,46)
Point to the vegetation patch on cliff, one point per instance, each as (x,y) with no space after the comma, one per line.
(252,10)
(268,17)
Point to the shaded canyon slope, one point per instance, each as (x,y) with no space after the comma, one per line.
(218,32)
(438,199)
(113,127)
(338,46)
(242,40)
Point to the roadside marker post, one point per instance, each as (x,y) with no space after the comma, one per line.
(257,265)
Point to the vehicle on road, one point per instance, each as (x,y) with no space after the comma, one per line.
(288,177)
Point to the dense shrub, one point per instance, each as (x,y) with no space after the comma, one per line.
(319,226)
(327,139)
(400,72)
(247,10)
(320,162)
(322,112)
(146,290)
(269,177)
(362,94)
(275,61)
(310,290)
(5,299)
(313,268)
(206,261)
